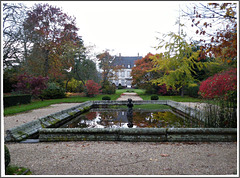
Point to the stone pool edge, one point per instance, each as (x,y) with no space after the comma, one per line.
(24,131)
(139,134)
(29,129)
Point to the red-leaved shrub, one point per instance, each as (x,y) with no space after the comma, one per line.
(164,91)
(28,84)
(220,85)
(92,88)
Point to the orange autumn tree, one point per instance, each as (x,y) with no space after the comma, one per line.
(217,24)
(50,33)
(141,74)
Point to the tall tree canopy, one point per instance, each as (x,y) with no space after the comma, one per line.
(50,32)
(140,73)
(13,36)
(178,63)
(106,64)
(217,23)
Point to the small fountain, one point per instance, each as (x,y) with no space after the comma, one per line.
(130,113)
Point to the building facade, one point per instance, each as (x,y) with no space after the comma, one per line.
(123,76)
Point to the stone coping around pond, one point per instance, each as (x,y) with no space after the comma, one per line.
(32,128)
(139,134)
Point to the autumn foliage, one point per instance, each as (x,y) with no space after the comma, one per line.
(92,88)
(53,35)
(222,44)
(220,85)
(28,84)
(140,72)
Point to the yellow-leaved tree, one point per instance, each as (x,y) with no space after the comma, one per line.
(180,63)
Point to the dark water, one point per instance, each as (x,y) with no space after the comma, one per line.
(141,119)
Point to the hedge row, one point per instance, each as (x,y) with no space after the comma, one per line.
(16,99)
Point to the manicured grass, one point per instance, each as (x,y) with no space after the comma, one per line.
(79,99)
(138,91)
(144,96)
(15,170)
(174,98)
(151,106)
(144,106)
(39,104)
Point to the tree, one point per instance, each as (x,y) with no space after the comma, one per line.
(217,23)
(105,63)
(85,69)
(13,37)
(49,30)
(92,88)
(177,63)
(140,73)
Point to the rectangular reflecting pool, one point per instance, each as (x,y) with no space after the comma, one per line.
(117,118)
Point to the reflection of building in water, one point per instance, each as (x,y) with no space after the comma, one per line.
(123,76)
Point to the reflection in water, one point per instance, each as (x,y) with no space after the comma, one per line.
(130,113)
(141,119)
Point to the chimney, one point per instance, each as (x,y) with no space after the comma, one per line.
(138,55)
(119,55)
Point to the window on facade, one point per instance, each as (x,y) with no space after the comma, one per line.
(128,74)
(129,66)
(123,74)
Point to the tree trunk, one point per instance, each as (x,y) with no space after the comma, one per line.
(67,84)
(182,91)
(46,63)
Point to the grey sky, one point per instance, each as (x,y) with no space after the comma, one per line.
(126,27)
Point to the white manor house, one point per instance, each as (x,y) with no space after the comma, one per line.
(123,76)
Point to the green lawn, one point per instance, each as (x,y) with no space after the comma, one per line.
(138,91)
(79,99)
(15,170)
(145,106)
(39,104)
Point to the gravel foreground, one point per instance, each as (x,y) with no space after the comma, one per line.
(119,158)
(126,158)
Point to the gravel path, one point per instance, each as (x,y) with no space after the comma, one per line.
(126,158)
(118,158)
(19,119)
(133,96)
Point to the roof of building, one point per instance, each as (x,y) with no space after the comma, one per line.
(125,61)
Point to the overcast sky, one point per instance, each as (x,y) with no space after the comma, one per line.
(122,27)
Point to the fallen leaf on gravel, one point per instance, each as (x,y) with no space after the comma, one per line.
(164,155)
(150,159)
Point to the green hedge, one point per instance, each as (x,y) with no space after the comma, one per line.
(154,97)
(7,156)
(192,91)
(16,99)
(106,98)
(53,91)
